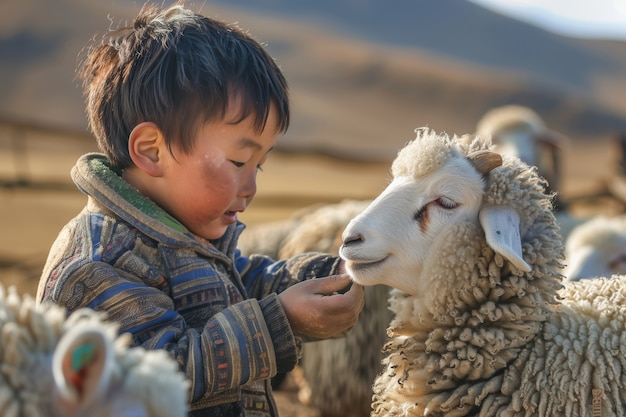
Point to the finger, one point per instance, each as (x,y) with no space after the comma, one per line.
(348,304)
(354,292)
(332,284)
(351,290)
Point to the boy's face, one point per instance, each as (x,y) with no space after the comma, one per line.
(217,179)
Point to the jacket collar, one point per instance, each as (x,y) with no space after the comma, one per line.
(95,177)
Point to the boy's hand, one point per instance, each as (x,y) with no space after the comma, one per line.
(319,308)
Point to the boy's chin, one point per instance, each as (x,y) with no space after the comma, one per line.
(211,234)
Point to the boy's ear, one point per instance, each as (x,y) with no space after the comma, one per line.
(146,146)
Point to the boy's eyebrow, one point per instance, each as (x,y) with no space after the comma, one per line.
(249,143)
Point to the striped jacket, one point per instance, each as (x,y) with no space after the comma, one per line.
(216,312)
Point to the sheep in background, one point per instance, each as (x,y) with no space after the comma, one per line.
(316,228)
(334,375)
(77,366)
(519,131)
(608,199)
(483,325)
(266,238)
(596,248)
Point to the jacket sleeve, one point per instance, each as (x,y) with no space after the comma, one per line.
(262,275)
(249,340)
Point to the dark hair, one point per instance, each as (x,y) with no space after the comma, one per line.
(179,70)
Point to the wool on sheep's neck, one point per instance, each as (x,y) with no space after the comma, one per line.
(467,339)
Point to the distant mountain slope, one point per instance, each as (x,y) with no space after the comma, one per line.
(41,42)
(363,74)
(460,30)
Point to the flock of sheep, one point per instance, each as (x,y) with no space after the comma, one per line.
(340,376)
(477,303)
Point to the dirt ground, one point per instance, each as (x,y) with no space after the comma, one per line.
(37,199)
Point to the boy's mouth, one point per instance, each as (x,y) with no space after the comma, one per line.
(231,216)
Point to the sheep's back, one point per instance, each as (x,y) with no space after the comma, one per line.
(577,367)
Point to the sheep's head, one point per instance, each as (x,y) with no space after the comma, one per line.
(515,130)
(55,365)
(96,373)
(519,131)
(437,183)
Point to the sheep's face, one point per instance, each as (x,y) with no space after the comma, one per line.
(389,242)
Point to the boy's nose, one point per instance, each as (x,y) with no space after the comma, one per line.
(248,186)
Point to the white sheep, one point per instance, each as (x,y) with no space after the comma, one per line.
(483,325)
(334,375)
(55,366)
(519,131)
(596,248)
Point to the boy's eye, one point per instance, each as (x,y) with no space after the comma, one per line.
(242,164)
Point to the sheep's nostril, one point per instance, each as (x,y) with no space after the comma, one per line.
(352,239)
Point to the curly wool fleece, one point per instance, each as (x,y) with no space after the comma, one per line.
(491,340)
(31,337)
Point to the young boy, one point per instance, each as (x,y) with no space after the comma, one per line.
(186,111)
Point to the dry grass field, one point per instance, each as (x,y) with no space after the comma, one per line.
(37,198)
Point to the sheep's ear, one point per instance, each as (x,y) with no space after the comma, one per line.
(501,226)
(81,367)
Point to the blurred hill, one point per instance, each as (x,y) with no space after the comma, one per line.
(363,73)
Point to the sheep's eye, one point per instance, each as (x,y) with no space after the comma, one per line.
(420,214)
(446,203)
